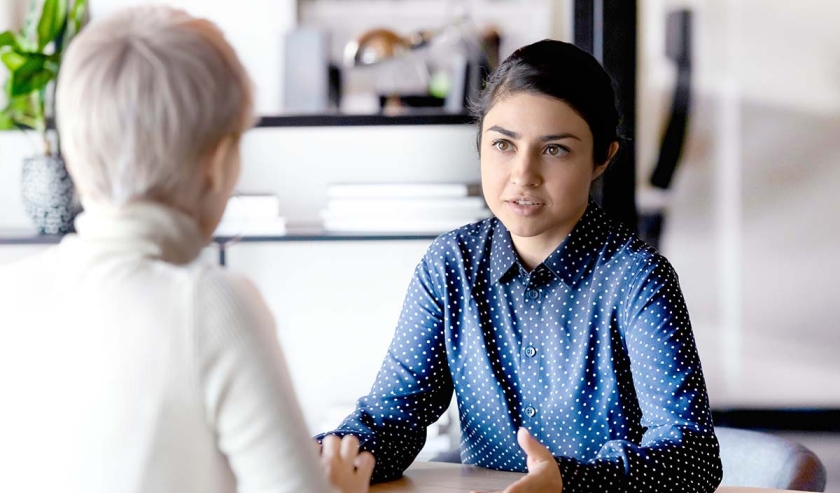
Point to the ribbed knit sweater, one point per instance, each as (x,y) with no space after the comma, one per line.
(127,366)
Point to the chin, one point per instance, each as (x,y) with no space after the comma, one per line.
(523,229)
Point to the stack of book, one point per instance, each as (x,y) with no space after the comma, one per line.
(402,207)
(252,215)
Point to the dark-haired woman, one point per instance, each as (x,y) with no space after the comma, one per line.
(565,338)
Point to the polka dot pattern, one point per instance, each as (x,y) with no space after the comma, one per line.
(592,351)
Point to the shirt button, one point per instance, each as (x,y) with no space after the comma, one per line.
(533,294)
(530,411)
(530,351)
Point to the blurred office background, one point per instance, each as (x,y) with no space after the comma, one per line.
(749,216)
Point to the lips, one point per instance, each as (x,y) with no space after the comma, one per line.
(524,206)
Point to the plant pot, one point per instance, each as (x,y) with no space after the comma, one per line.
(49,195)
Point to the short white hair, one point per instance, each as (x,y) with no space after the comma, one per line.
(143,96)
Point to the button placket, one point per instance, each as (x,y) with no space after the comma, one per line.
(530,364)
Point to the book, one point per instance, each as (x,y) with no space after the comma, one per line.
(251,227)
(465,207)
(436,226)
(401,190)
(249,206)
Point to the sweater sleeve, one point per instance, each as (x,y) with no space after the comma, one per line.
(248,395)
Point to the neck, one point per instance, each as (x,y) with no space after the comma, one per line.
(533,250)
(145,228)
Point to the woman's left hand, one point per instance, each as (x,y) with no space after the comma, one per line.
(543,473)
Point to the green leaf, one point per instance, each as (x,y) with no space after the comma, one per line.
(7,38)
(21,111)
(53,17)
(75,20)
(33,75)
(29,31)
(6,122)
(13,60)
(25,44)
(22,105)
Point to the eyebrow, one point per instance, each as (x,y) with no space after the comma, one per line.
(545,138)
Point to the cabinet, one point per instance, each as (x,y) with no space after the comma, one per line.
(336,298)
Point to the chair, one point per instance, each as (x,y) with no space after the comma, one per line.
(452,456)
(762,460)
(752,458)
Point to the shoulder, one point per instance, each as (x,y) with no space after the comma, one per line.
(622,244)
(216,287)
(229,310)
(469,238)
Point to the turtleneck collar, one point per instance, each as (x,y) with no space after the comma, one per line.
(144,228)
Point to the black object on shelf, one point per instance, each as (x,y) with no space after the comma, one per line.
(413,117)
(411,101)
(678,49)
(30,237)
(607,30)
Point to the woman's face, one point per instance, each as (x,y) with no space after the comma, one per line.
(536,168)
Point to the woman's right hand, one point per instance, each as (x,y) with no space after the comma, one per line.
(346,468)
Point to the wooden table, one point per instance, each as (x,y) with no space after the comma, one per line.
(437,477)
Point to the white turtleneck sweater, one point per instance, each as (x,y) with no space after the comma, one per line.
(126,367)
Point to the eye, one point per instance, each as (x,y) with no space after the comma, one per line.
(502,145)
(556,150)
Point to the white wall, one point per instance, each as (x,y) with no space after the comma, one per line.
(298,163)
(255,28)
(14,147)
(519,23)
(751,230)
(336,306)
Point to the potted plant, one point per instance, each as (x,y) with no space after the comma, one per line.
(33,57)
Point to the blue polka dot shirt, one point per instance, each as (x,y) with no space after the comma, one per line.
(591,351)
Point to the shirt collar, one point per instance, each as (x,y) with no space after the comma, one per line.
(502,255)
(581,248)
(569,261)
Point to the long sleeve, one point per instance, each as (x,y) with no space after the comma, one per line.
(413,387)
(248,395)
(678,451)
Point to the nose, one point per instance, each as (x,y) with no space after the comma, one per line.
(525,172)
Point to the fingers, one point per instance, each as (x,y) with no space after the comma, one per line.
(346,468)
(330,446)
(364,465)
(345,451)
(533,448)
(349,448)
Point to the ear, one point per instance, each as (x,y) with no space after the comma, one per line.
(599,170)
(215,164)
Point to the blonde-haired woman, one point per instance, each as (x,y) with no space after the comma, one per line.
(125,365)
